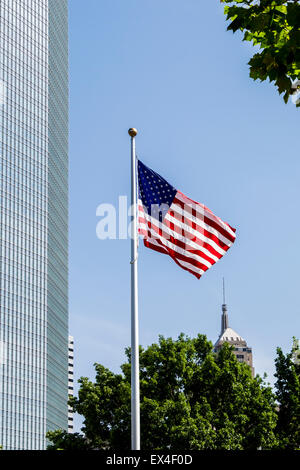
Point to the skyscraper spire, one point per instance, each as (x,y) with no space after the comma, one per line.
(241,350)
(224,319)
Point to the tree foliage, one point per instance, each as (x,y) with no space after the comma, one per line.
(273,26)
(191,399)
(288,395)
(62,440)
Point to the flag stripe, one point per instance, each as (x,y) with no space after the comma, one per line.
(199,223)
(177,238)
(173,248)
(200,242)
(199,232)
(150,243)
(196,255)
(210,214)
(210,218)
(155,245)
(200,235)
(189,267)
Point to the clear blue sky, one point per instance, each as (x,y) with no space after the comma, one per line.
(170,69)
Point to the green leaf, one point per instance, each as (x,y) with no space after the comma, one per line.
(274,26)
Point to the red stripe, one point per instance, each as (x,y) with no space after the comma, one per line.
(185,246)
(212,223)
(198,228)
(142,232)
(198,275)
(183,257)
(193,238)
(196,240)
(188,200)
(179,256)
(148,244)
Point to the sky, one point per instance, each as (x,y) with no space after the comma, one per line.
(171,70)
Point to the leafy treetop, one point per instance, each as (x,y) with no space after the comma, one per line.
(273,26)
(288,395)
(191,399)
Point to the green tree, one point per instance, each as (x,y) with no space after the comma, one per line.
(288,395)
(273,26)
(62,440)
(191,398)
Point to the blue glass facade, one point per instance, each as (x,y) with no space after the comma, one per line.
(33,221)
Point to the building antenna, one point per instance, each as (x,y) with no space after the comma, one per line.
(224,319)
(224,303)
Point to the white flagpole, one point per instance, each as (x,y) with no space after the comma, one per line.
(135,378)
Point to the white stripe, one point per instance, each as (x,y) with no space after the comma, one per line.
(186,253)
(189,229)
(142,230)
(208,214)
(176,235)
(200,221)
(184,263)
(190,266)
(154,242)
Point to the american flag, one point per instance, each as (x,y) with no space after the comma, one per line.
(173,224)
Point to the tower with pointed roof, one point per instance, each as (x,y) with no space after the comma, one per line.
(242,351)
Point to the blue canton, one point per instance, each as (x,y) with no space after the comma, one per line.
(155,192)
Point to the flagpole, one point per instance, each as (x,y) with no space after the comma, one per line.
(135,378)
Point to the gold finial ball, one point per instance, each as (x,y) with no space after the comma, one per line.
(132,132)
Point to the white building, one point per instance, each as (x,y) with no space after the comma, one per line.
(242,351)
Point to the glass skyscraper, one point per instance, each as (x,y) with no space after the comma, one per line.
(33,221)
